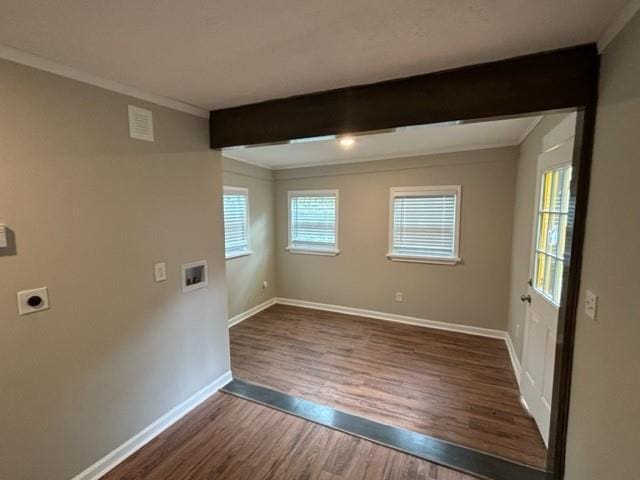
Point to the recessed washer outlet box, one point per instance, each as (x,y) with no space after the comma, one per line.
(194,275)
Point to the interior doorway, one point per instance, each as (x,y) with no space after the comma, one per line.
(505,417)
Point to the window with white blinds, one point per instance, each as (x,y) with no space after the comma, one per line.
(425,224)
(236,222)
(313,221)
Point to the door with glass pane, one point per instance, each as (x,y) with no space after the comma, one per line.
(545,289)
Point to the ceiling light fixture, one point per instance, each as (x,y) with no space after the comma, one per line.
(347,142)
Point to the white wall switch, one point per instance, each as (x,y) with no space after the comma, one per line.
(591,304)
(265,284)
(399,296)
(3,236)
(32,301)
(160,271)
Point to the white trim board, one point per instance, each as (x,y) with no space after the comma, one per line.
(40,63)
(251,312)
(119,454)
(392,317)
(515,363)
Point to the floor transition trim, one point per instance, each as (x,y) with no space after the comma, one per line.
(422,446)
(119,454)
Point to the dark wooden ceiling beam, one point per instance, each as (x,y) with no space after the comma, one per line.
(533,83)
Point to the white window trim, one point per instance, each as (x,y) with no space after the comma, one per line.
(417,192)
(332,252)
(245,191)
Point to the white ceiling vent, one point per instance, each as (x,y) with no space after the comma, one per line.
(140,123)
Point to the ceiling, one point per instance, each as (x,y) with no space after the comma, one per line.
(401,142)
(221,53)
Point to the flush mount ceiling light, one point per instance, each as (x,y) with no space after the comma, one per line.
(347,142)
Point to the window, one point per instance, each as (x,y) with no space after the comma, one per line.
(313,222)
(553,213)
(425,224)
(236,222)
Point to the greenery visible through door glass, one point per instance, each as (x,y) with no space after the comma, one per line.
(553,213)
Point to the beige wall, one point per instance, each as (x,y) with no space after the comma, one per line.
(523,217)
(605,410)
(246,274)
(474,293)
(92,210)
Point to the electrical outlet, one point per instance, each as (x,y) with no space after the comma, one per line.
(265,284)
(590,304)
(32,301)
(399,297)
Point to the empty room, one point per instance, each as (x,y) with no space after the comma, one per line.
(319,240)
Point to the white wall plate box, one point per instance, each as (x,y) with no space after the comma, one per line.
(195,275)
(32,301)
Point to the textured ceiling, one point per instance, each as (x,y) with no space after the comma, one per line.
(402,142)
(221,53)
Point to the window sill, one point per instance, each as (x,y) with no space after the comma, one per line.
(395,257)
(331,252)
(243,253)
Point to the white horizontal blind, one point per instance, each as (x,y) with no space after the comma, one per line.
(424,224)
(313,220)
(236,234)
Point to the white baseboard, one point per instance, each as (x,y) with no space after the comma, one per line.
(515,363)
(252,311)
(109,461)
(392,317)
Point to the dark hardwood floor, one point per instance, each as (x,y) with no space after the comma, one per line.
(230,438)
(456,387)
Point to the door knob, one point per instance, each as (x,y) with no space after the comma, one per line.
(525,298)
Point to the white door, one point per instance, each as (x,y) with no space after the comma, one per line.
(547,269)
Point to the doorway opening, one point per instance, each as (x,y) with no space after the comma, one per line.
(440,206)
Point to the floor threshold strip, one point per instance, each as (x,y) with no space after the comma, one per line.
(428,448)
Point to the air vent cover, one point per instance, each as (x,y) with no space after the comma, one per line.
(140,123)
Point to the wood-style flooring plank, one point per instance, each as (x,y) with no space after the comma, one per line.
(453,386)
(233,439)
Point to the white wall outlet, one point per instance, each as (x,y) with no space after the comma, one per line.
(32,301)
(591,304)
(399,297)
(160,271)
(265,284)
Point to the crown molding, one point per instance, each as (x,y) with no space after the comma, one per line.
(617,24)
(40,63)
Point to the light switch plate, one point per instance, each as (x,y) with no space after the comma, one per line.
(399,297)
(160,271)
(32,301)
(591,304)
(3,236)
